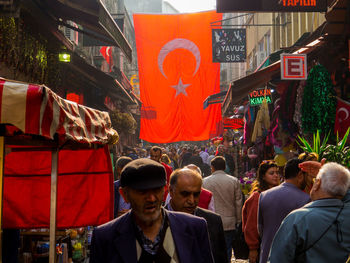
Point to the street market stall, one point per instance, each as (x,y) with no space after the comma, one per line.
(55,166)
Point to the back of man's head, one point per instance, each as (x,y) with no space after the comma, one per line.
(194,168)
(218,163)
(291,169)
(335,179)
(119,165)
(122,161)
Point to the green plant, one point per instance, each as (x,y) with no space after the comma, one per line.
(339,153)
(317,147)
(28,52)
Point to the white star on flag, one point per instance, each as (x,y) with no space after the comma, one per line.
(180,88)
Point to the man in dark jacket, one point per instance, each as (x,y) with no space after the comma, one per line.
(120,206)
(149,233)
(185,188)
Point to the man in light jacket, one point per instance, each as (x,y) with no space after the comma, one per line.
(227,199)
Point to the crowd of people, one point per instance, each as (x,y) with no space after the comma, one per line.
(178,156)
(185,205)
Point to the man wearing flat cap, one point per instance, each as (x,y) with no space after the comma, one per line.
(149,233)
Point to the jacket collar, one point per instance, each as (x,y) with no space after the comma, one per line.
(333,202)
(346,198)
(285,184)
(197,211)
(218,172)
(125,239)
(181,237)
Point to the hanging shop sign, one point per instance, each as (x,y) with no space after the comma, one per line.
(234,124)
(293,67)
(228,6)
(229,45)
(256,97)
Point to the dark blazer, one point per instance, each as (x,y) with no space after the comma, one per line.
(216,234)
(115,241)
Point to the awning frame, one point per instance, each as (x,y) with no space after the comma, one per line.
(91,14)
(112,85)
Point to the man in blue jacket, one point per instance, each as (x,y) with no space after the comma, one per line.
(120,206)
(276,203)
(319,231)
(149,233)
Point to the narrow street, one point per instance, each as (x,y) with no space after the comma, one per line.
(174,130)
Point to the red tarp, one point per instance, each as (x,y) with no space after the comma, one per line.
(85,177)
(35,109)
(84,188)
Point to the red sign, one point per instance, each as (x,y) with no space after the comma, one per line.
(233,123)
(293,66)
(78,98)
(230,6)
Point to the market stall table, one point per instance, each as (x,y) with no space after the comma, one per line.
(55,164)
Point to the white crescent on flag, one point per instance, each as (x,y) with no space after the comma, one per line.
(179,43)
(342,109)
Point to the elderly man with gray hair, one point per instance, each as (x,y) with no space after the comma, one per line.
(319,231)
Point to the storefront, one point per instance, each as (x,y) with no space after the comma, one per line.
(299,107)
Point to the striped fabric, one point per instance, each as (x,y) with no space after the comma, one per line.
(35,109)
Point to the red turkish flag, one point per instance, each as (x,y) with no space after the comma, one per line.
(106,52)
(342,117)
(176,75)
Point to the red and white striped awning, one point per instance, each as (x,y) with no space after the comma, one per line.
(37,110)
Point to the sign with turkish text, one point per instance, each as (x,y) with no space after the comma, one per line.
(293,67)
(229,45)
(256,97)
(228,6)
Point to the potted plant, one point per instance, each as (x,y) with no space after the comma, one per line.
(338,152)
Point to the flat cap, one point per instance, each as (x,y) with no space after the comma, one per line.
(142,174)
